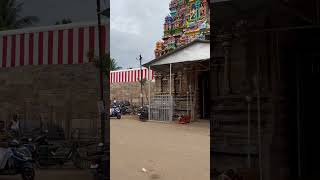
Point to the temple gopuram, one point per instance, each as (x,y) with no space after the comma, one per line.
(188,20)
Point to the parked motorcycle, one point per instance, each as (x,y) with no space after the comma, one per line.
(33,143)
(17,159)
(59,154)
(115,112)
(143,113)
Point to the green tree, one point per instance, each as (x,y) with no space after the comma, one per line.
(64,21)
(108,63)
(10,17)
(114,65)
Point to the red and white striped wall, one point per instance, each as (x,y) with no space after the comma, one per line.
(130,75)
(61,44)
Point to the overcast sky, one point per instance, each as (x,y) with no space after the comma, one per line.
(136,25)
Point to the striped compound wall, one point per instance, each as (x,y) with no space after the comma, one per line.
(131,75)
(60,44)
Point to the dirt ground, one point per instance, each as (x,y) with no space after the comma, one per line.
(54,174)
(166,151)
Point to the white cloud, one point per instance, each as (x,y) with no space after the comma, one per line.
(126,25)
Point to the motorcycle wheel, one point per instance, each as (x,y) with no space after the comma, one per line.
(118,116)
(81,163)
(28,174)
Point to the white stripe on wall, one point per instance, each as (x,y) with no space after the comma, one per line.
(86,45)
(65,47)
(55,47)
(26,49)
(45,47)
(127,76)
(35,49)
(17,61)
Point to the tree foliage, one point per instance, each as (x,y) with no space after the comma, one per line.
(10,17)
(114,65)
(108,63)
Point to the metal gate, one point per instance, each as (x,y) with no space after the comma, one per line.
(161,108)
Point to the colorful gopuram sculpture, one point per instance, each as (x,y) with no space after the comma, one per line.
(188,20)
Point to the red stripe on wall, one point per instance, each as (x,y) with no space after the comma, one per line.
(123,76)
(60,47)
(103,39)
(118,79)
(40,48)
(132,76)
(13,50)
(31,46)
(91,40)
(4,51)
(21,49)
(70,46)
(152,75)
(50,47)
(80,45)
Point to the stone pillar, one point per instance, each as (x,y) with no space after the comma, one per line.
(184,83)
(227,67)
(179,76)
(247,83)
(173,88)
(165,79)
(158,78)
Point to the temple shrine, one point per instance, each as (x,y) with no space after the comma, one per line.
(188,20)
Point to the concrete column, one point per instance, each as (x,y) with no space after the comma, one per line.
(227,68)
